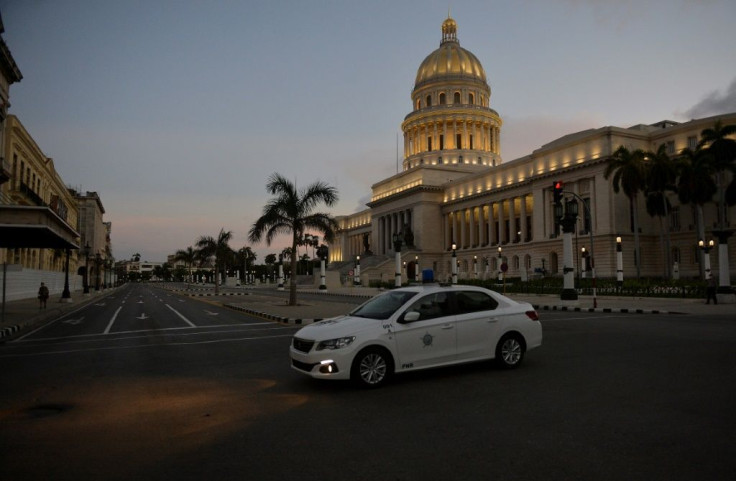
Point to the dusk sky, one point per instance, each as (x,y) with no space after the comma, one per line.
(177,112)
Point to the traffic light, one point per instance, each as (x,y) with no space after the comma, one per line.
(557,192)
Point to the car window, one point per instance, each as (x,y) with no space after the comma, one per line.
(474,301)
(384,305)
(431,306)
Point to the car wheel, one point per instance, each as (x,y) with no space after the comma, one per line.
(510,351)
(372,367)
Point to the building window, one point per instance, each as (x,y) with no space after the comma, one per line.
(456,98)
(460,160)
(439,160)
(670,147)
(459,141)
(442,99)
(429,143)
(676,255)
(586,215)
(442,142)
(675,219)
(429,101)
(470,140)
(471,99)
(419,104)
(692,143)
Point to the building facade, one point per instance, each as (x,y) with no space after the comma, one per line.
(455,189)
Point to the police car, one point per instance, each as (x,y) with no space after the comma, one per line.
(415,328)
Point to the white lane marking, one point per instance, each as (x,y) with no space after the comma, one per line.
(115,348)
(114,316)
(179,314)
(211,313)
(142,317)
(74,322)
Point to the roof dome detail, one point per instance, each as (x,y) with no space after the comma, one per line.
(450,60)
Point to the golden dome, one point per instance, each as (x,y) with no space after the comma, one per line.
(450,59)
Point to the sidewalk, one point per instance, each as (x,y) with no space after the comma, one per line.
(310,310)
(24,313)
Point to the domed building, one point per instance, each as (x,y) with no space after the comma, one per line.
(455,200)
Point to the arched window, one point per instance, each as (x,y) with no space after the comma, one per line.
(442,99)
(471,99)
(429,100)
(515,262)
(456,98)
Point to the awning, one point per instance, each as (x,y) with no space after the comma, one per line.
(24,226)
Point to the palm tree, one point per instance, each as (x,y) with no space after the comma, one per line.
(695,186)
(188,256)
(661,175)
(219,248)
(716,141)
(628,169)
(291,212)
(246,256)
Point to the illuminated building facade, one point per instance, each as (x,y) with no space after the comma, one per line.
(454,188)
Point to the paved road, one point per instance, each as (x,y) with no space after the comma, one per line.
(608,396)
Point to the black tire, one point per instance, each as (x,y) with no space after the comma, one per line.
(372,367)
(510,351)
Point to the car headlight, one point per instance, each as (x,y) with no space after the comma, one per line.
(338,343)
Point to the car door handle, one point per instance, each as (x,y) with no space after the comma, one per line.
(448,326)
(493,319)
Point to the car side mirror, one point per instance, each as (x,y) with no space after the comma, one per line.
(410,316)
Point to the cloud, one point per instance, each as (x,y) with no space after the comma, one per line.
(714,103)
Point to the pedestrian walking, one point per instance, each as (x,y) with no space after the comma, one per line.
(43,295)
(710,290)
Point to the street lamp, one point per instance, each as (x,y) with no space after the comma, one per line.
(584,262)
(66,295)
(706,257)
(398,240)
(357,270)
(322,253)
(416,268)
(475,266)
(280,286)
(500,261)
(620,263)
(454,263)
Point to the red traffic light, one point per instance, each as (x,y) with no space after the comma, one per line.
(557,192)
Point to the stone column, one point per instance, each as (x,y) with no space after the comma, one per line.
(491,225)
(512,221)
(522,217)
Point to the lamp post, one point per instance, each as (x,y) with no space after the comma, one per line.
(280,286)
(475,266)
(583,262)
(619,264)
(322,254)
(454,263)
(416,268)
(85,280)
(357,270)
(568,221)
(66,295)
(500,261)
(706,257)
(398,240)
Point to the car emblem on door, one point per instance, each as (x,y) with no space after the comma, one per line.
(427,339)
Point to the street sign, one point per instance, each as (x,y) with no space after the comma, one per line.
(504,267)
(351,273)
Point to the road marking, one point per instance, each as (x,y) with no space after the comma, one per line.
(179,314)
(114,316)
(74,322)
(211,313)
(142,317)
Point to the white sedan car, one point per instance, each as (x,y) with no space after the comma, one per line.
(417,328)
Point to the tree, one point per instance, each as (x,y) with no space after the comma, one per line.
(246,257)
(136,257)
(291,212)
(188,256)
(718,143)
(695,186)
(217,247)
(628,170)
(661,175)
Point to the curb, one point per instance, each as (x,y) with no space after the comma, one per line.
(272,317)
(602,309)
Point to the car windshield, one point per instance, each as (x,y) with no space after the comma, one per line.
(383,306)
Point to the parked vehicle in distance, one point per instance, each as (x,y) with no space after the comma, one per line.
(414,328)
